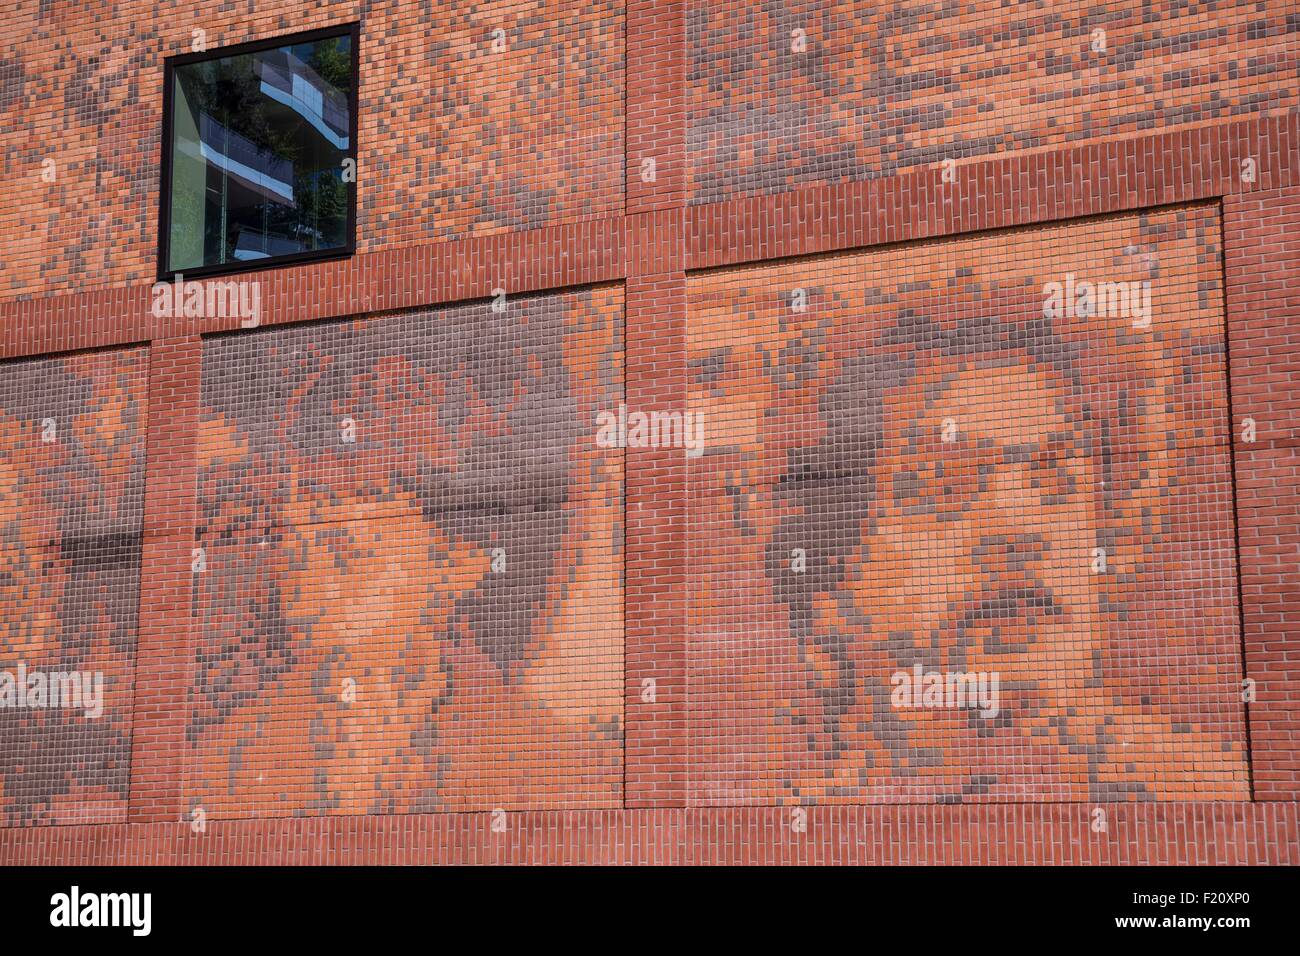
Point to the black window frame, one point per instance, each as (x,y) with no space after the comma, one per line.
(347,250)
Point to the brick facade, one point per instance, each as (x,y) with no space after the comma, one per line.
(364,586)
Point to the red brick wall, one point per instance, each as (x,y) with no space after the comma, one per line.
(456,138)
(809,92)
(754,158)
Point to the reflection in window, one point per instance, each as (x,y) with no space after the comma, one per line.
(258,143)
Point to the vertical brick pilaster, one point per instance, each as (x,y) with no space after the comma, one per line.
(1262,268)
(655,620)
(162,649)
(656,104)
(656,598)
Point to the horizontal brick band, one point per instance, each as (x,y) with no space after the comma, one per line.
(1059,834)
(1015,190)
(1006,191)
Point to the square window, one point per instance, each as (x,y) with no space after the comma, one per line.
(259,147)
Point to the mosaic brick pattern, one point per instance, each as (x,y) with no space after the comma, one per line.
(463,130)
(912,463)
(809,92)
(72,458)
(410,598)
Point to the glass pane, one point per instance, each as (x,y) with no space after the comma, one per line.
(258,143)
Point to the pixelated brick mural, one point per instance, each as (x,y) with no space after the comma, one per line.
(810,92)
(72,450)
(958,537)
(463,130)
(409,596)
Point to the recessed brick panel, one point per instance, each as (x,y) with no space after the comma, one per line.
(72,443)
(412,593)
(911,463)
